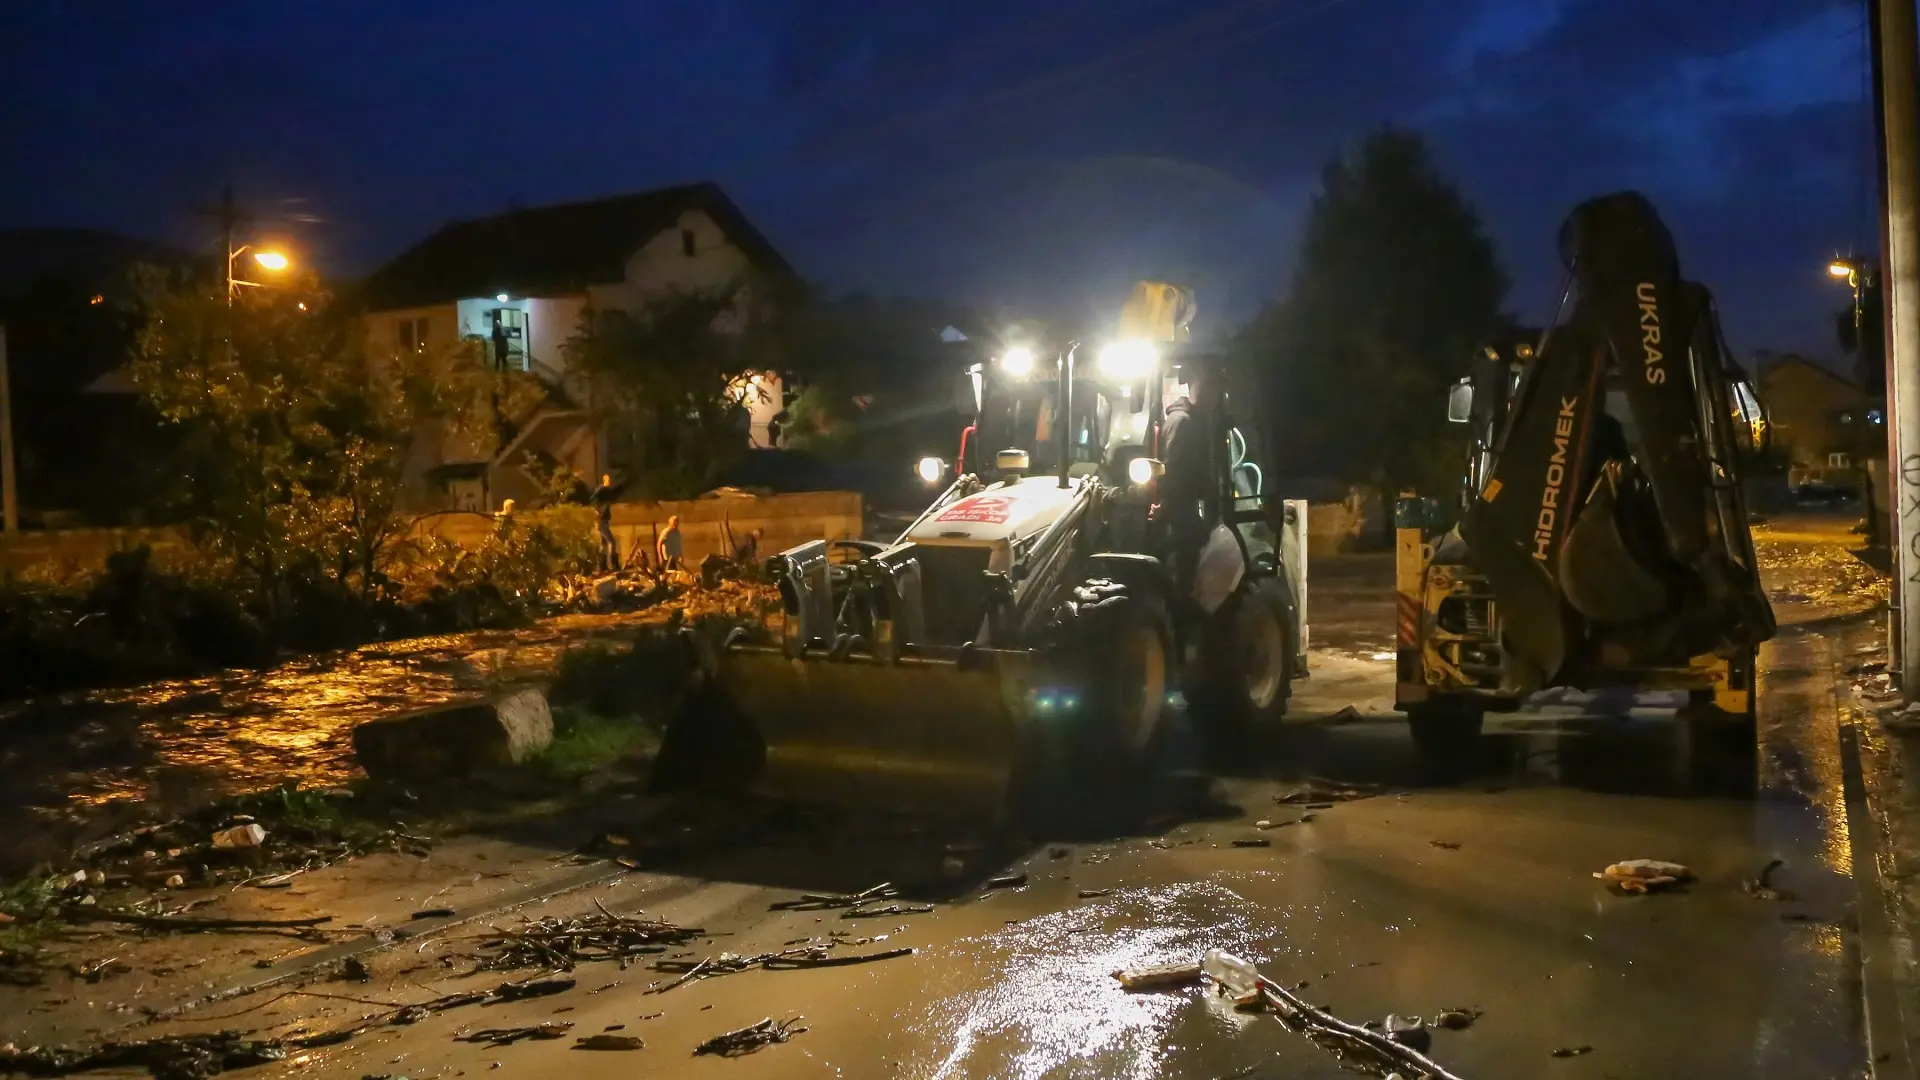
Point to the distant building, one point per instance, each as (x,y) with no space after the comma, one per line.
(1819,417)
(518,284)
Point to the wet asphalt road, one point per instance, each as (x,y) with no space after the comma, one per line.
(1413,900)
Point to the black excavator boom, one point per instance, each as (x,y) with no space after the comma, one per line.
(1590,530)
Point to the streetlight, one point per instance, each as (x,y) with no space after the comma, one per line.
(272,261)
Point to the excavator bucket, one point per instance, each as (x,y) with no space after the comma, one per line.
(913,735)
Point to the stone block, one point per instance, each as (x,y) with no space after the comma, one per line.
(457,739)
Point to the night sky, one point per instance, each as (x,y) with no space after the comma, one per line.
(1025,156)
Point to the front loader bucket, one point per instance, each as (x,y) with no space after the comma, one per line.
(917,735)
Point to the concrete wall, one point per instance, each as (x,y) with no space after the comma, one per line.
(787,519)
(63,553)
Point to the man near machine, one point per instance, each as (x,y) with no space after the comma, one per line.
(1185,447)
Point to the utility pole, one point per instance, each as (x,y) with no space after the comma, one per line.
(1885,523)
(227,213)
(9,479)
(1899,63)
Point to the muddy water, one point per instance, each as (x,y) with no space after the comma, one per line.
(172,744)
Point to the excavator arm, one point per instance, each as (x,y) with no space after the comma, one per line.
(1590,530)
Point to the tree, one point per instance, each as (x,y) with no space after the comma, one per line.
(1396,284)
(293,439)
(671,384)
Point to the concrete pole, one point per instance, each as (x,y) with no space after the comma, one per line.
(9,479)
(1900,84)
(1885,519)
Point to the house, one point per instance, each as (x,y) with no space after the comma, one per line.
(519,283)
(1818,416)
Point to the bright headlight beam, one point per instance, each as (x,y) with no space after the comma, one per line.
(1127,361)
(1017,361)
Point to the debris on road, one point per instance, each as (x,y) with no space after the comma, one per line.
(748,1039)
(553,1029)
(1444,845)
(1351,1043)
(1094,894)
(1761,887)
(555,943)
(188,922)
(811,955)
(890,909)
(829,901)
(1572,1051)
(1253,842)
(1409,1031)
(169,1057)
(1318,791)
(1639,876)
(1159,977)
(240,836)
(1346,715)
(1007,881)
(610,1042)
(1456,1019)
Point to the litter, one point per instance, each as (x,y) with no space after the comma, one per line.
(1455,1019)
(1007,881)
(1572,1051)
(1639,876)
(240,836)
(1444,845)
(1352,1043)
(1409,1031)
(748,1039)
(1256,842)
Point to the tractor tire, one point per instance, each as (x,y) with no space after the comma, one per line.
(1246,666)
(1446,734)
(1723,748)
(1113,646)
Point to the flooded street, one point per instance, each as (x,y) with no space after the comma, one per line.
(1407,898)
(165,747)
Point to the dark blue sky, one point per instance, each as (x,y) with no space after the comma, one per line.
(1020,155)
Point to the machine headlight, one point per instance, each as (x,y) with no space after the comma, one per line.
(1129,361)
(1017,361)
(1142,469)
(931,469)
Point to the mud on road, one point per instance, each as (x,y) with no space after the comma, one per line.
(1379,892)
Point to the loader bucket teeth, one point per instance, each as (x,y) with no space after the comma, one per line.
(917,735)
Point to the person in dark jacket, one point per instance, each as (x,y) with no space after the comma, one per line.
(1186,449)
(602,502)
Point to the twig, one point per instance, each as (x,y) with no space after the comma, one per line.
(165,922)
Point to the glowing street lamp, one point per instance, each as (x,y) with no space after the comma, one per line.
(273,261)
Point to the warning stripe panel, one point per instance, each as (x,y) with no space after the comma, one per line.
(1408,618)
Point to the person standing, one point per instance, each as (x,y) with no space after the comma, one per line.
(1186,447)
(669,547)
(602,502)
(747,552)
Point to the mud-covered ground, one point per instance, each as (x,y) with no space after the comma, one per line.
(1387,893)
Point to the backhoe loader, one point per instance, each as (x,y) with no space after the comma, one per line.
(1602,537)
(1022,648)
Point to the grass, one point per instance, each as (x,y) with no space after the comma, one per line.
(584,741)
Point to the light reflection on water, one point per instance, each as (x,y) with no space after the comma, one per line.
(239,731)
(1051,1001)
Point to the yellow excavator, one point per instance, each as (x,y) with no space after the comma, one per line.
(1023,647)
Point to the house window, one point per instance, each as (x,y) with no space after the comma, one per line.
(687,243)
(413,335)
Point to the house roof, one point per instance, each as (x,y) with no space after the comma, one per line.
(549,250)
(1767,365)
